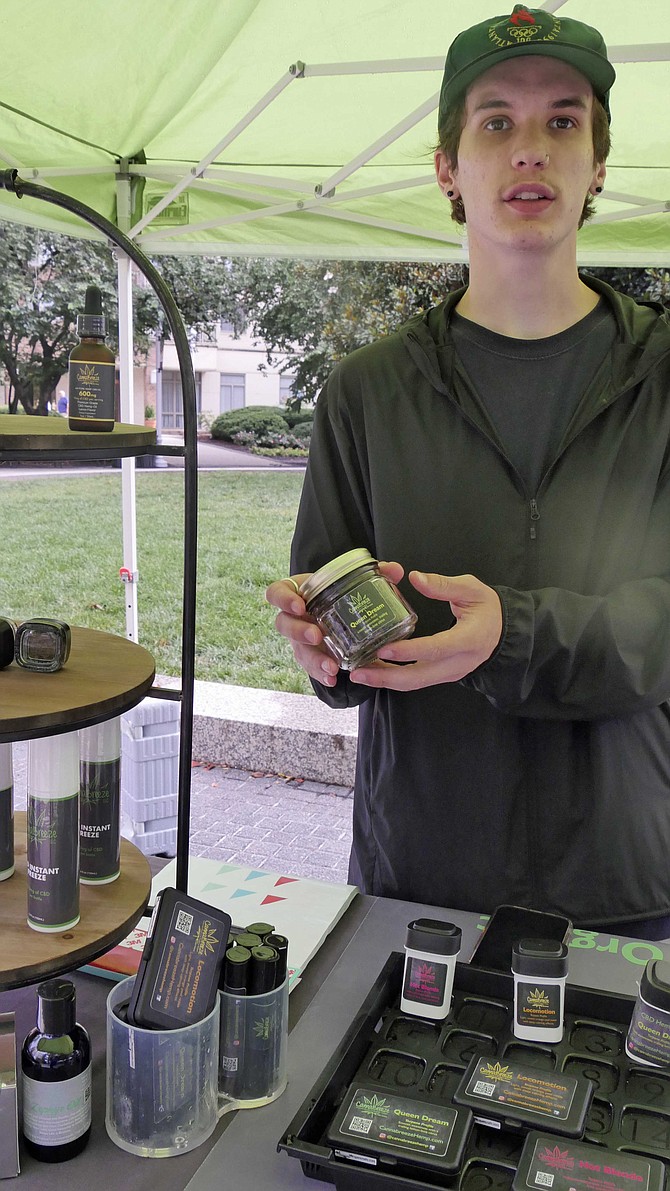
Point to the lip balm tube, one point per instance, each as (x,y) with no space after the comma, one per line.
(540,970)
(431,950)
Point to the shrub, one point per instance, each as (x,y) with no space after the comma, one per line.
(253,419)
(281,452)
(303,433)
(297,416)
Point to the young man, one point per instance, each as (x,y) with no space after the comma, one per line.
(510,451)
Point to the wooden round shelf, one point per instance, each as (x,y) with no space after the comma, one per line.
(104,676)
(22,435)
(108,914)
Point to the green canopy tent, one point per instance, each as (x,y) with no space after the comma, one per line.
(287,127)
(293,127)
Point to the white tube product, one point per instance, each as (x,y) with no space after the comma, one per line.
(100,802)
(540,970)
(6,812)
(431,950)
(53,832)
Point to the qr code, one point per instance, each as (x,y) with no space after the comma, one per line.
(184,922)
(228,1064)
(361,1124)
(544,1180)
(483,1089)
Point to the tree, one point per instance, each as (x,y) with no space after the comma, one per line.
(43,280)
(643,284)
(312,313)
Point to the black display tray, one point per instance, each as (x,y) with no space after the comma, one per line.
(390,1050)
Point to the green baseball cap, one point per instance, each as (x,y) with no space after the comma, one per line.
(525,31)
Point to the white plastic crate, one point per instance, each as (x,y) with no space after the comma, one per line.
(146,826)
(150,774)
(144,781)
(145,809)
(150,718)
(151,842)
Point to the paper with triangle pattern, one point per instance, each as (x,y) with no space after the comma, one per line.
(302,909)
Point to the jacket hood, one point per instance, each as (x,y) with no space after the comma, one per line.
(643,338)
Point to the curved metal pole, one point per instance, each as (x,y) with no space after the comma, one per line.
(10,180)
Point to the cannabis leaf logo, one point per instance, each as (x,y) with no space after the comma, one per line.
(558,1158)
(495,1071)
(374,1105)
(359,601)
(538,998)
(206,938)
(262,1027)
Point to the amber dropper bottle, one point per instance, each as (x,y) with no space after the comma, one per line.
(92,370)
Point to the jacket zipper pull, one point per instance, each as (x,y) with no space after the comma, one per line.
(534,516)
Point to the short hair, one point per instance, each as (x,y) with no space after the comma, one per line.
(450,130)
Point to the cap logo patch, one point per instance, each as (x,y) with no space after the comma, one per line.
(524,27)
(522,16)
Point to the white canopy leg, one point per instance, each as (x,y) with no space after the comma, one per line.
(128,571)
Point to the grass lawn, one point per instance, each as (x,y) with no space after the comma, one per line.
(61,549)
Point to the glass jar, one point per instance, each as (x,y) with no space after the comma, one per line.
(357,609)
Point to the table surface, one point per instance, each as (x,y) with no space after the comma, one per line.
(27,433)
(104,675)
(243,1149)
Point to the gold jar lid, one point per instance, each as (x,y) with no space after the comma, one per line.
(343,565)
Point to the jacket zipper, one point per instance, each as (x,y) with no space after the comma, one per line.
(534,516)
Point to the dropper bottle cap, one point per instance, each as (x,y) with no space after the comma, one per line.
(56,1007)
(92,323)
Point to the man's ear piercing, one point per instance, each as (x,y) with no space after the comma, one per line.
(599,189)
(450,194)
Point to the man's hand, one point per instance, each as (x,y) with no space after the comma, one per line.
(446,656)
(300,630)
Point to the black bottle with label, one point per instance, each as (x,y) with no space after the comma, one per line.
(56,1084)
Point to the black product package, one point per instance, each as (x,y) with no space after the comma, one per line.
(178,977)
(569,1165)
(522,1097)
(404,1132)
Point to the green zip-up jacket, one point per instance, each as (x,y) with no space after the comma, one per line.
(542,778)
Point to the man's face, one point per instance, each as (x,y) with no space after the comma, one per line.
(525,159)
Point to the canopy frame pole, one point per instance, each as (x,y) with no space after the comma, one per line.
(379,145)
(316,208)
(12,162)
(68,171)
(126,357)
(236,191)
(195,171)
(652,209)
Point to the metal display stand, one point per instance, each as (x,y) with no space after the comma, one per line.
(34,439)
